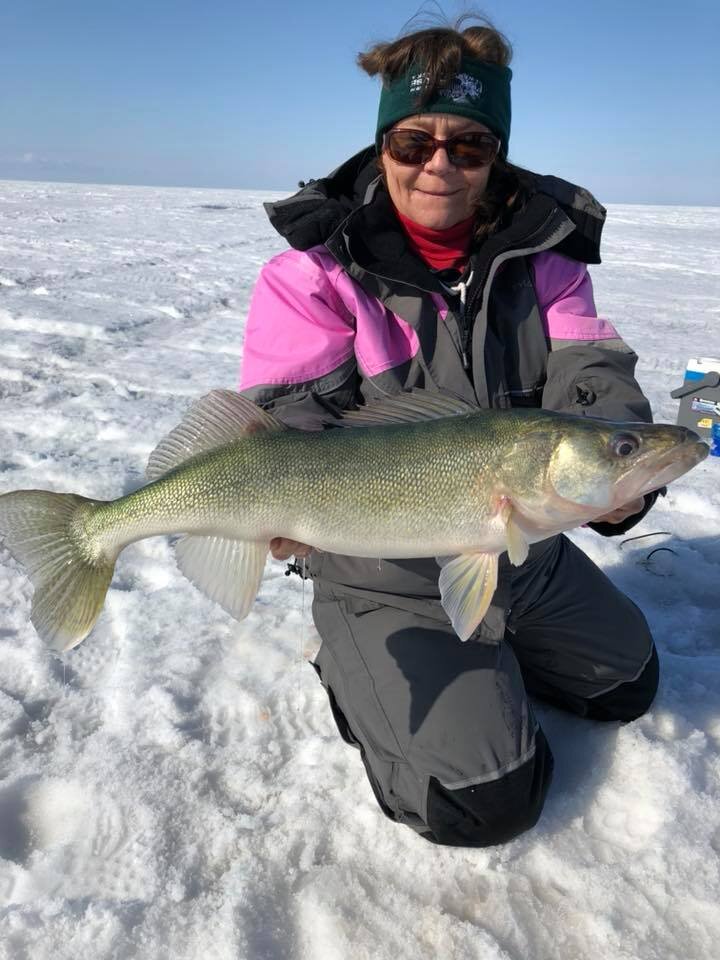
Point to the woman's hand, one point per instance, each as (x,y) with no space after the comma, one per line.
(622,513)
(283,549)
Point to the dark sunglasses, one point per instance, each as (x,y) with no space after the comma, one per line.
(467,150)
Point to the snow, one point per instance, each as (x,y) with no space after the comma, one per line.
(175,787)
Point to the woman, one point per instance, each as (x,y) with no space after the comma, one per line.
(430,261)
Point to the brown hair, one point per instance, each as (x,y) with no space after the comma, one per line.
(438,51)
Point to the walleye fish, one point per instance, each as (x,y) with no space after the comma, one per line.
(419,475)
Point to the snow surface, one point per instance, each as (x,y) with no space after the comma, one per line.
(175,787)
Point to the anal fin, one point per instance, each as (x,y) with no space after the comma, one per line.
(228,571)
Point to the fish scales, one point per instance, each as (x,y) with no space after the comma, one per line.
(390,488)
(358,491)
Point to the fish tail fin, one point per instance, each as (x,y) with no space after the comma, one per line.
(46,533)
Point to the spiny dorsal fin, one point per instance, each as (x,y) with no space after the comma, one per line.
(219,417)
(411,407)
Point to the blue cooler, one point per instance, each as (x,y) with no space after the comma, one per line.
(715,445)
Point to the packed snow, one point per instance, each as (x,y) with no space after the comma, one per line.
(175,787)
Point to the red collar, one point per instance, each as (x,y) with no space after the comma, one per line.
(440,249)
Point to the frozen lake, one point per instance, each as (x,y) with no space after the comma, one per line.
(175,787)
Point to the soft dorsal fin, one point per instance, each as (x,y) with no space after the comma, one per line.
(410,407)
(219,417)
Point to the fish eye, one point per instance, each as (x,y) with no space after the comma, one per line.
(624,444)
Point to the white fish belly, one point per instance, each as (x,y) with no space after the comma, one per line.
(419,537)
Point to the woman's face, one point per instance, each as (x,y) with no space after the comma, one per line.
(436,194)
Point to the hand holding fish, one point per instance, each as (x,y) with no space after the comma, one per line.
(283,549)
(623,512)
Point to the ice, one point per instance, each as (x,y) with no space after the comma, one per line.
(175,787)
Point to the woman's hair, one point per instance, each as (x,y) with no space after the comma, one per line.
(438,52)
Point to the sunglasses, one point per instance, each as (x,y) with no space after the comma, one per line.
(467,150)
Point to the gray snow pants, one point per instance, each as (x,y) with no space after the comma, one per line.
(447,734)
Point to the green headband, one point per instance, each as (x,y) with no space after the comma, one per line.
(480,92)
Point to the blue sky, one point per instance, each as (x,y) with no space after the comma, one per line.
(621,97)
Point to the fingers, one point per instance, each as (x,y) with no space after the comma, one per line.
(622,513)
(282,549)
(617,516)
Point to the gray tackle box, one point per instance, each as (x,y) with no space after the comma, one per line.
(699,396)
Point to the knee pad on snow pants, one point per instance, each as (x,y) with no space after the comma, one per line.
(447,734)
(479,815)
(494,812)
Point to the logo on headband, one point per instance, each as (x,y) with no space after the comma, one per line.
(460,90)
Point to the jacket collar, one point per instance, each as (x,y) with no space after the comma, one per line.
(350,212)
(311,215)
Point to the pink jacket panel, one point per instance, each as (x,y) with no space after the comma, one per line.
(307,317)
(298,328)
(565,296)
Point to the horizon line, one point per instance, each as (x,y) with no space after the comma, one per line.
(285,190)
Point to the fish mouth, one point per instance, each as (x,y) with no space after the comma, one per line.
(689,450)
(687,453)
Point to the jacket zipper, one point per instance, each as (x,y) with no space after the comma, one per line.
(465,331)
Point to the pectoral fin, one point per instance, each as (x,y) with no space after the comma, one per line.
(227,571)
(467,584)
(517,544)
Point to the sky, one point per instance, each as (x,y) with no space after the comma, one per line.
(619,96)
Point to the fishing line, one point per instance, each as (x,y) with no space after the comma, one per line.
(661,549)
(301,646)
(642,536)
(299,569)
